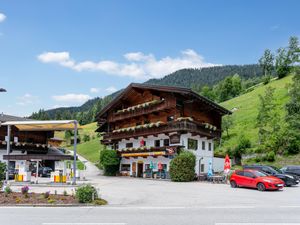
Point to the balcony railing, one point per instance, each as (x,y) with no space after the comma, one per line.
(174,126)
(141,111)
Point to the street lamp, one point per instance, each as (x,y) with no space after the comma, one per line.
(199,168)
(2,90)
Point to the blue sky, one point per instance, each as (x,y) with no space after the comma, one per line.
(61,53)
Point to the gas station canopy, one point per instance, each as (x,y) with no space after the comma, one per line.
(47,125)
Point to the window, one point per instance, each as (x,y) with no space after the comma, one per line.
(166,142)
(129,145)
(170,118)
(116,146)
(209,146)
(125,167)
(249,174)
(203,145)
(202,168)
(240,173)
(192,144)
(157,143)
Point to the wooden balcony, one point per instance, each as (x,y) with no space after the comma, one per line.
(164,105)
(175,126)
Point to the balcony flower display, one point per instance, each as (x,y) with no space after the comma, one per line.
(210,126)
(139,106)
(185,118)
(148,125)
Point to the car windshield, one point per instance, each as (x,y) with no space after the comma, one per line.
(259,174)
(276,169)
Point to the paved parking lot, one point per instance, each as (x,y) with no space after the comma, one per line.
(139,192)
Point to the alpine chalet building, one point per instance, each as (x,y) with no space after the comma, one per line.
(148,124)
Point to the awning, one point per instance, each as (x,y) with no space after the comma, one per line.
(52,154)
(47,125)
(38,157)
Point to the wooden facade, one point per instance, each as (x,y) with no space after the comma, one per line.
(137,110)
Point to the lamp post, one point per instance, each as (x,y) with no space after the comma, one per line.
(199,169)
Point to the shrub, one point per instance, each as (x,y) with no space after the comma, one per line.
(86,138)
(182,167)
(100,202)
(51,201)
(270,156)
(7,190)
(2,171)
(25,190)
(110,161)
(86,194)
(266,79)
(46,194)
(65,193)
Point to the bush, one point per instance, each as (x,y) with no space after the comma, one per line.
(86,194)
(266,79)
(182,167)
(25,190)
(270,156)
(46,194)
(2,171)
(7,190)
(100,202)
(86,138)
(110,161)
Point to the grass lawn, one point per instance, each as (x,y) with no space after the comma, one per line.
(90,150)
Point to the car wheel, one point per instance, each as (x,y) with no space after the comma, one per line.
(261,187)
(233,184)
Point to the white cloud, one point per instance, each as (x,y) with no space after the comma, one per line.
(27,99)
(2,17)
(78,98)
(138,65)
(94,90)
(111,89)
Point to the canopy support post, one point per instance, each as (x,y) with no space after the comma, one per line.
(7,152)
(75,153)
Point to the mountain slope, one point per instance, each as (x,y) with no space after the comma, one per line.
(206,76)
(246,111)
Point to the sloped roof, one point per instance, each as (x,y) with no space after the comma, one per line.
(6,118)
(173,89)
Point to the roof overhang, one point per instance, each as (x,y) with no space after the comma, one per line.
(38,157)
(44,125)
(173,89)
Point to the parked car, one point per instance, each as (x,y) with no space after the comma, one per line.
(43,171)
(292,170)
(255,179)
(288,180)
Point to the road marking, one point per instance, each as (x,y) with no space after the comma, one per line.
(230,207)
(84,223)
(257,223)
(289,206)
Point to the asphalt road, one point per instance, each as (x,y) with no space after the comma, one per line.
(150,215)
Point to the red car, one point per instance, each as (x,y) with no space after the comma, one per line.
(255,179)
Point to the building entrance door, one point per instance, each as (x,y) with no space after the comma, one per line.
(140,169)
(134,169)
